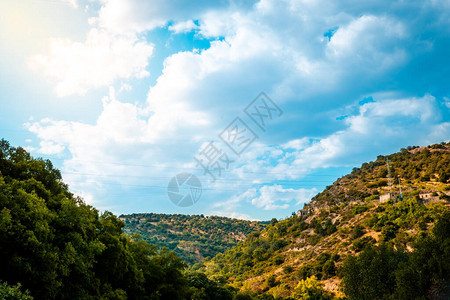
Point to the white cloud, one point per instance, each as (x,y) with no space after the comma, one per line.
(369,41)
(273,197)
(49,148)
(29,148)
(73,3)
(125,87)
(126,140)
(104,57)
(277,47)
(183,27)
(447,102)
(385,124)
(233,214)
(235,201)
(141,15)
(297,144)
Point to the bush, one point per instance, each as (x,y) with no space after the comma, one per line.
(13,292)
(278,244)
(379,183)
(371,221)
(444,197)
(425,178)
(287,269)
(371,198)
(271,281)
(360,244)
(389,232)
(243,296)
(323,257)
(304,272)
(359,209)
(358,231)
(278,260)
(329,269)
(309,289)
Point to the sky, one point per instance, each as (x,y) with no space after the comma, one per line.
(264,102)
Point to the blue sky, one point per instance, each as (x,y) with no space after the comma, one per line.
(122,95)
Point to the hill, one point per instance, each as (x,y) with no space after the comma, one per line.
(347,235)
(191,237)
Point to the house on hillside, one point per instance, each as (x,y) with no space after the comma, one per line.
(426,196)
(386,197)
(303,212)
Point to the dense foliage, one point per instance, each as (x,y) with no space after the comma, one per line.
(15,292)
(385,272)
(191,237)
(58,247)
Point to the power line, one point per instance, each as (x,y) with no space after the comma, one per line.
(187,168)
(165,186)
(169,177)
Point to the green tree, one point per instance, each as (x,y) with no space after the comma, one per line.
(8,292)
(309,289)
(60,248)
(371,275)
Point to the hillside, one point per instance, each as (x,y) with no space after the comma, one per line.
(191,237)
(346,226)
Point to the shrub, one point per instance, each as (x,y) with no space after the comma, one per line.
(329,269)
(304,272)
(371,221)
(425,177)
(388,232)
(309,289)
(278,244)
(360,244)
(359,209)
(323,257)
(358,231)
(444,197)
(278,260)
(287,269)
(371,198)
(13,292)
(271,281)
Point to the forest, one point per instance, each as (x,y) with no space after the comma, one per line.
(191,237)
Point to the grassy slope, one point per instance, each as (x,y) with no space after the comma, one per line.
(345,217)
